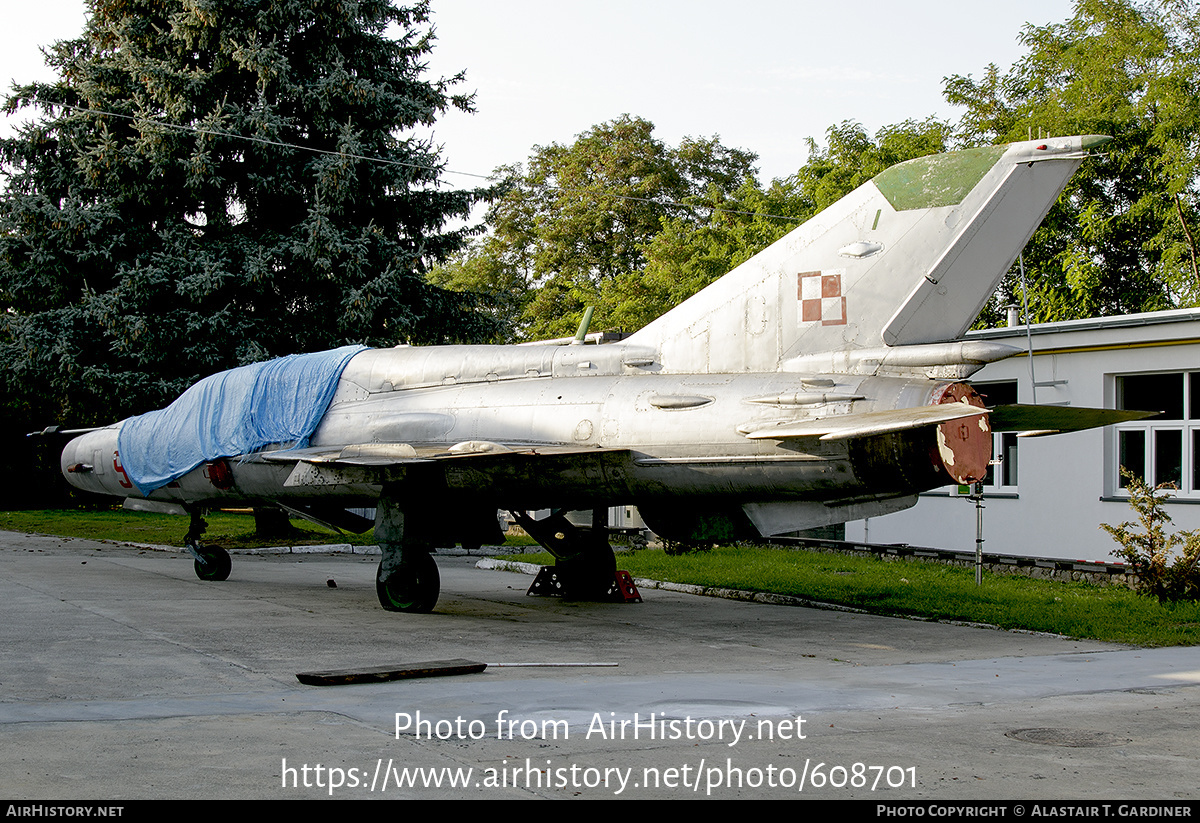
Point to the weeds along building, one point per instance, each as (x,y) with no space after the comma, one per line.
(1047,496)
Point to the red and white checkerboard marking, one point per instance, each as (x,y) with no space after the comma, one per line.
(820,295)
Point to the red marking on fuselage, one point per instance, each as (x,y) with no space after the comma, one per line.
(124,479)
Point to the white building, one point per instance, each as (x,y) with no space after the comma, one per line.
(1047,495)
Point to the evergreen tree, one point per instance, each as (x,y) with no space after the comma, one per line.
(214,182)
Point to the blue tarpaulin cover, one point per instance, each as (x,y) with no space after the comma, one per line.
(230,413)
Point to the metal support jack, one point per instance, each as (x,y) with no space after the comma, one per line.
(585,566)
(549,583)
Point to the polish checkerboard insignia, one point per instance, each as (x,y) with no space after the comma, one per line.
(821,299)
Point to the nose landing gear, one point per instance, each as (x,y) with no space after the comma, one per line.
(211,562)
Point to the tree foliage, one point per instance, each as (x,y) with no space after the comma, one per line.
(212,183)
(691,251)
(633,227)
(576,219)
(1123,237)
(688,255)
(851,157)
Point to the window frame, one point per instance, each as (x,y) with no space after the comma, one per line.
(1155,431)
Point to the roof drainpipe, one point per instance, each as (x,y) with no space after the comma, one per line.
(1028,333)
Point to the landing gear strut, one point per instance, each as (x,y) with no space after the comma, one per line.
(408,579)
(584,561)
(210,562)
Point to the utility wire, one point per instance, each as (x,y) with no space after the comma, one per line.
(266,141)
(384,161)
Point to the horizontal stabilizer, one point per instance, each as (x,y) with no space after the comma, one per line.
(842,427)
(1038,420)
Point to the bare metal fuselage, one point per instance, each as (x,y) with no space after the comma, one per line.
(581,426)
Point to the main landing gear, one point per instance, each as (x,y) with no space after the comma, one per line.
(211,562)
(408,579)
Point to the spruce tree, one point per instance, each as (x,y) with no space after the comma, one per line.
(214,182)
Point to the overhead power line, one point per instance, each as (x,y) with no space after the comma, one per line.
(385,161)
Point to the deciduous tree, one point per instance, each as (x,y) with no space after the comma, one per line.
(1123,238)
(689,253)
(576,219)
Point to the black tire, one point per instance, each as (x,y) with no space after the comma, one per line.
(411,586)
(216,565)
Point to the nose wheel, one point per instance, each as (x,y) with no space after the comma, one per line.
(212,563)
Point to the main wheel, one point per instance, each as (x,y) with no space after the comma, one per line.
(412,585)
(216,565)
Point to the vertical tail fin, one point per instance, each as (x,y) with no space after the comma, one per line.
(909,257)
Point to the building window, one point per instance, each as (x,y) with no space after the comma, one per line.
(1002,473)
(1164,448)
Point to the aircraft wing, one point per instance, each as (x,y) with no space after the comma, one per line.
(842,427)
(398,454)
(501,469)
(358,454)
(1034,421)
(1029,420)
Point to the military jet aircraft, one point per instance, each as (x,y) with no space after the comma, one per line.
(817,383)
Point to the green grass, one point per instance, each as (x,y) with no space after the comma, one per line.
(233,530)
(918,588)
